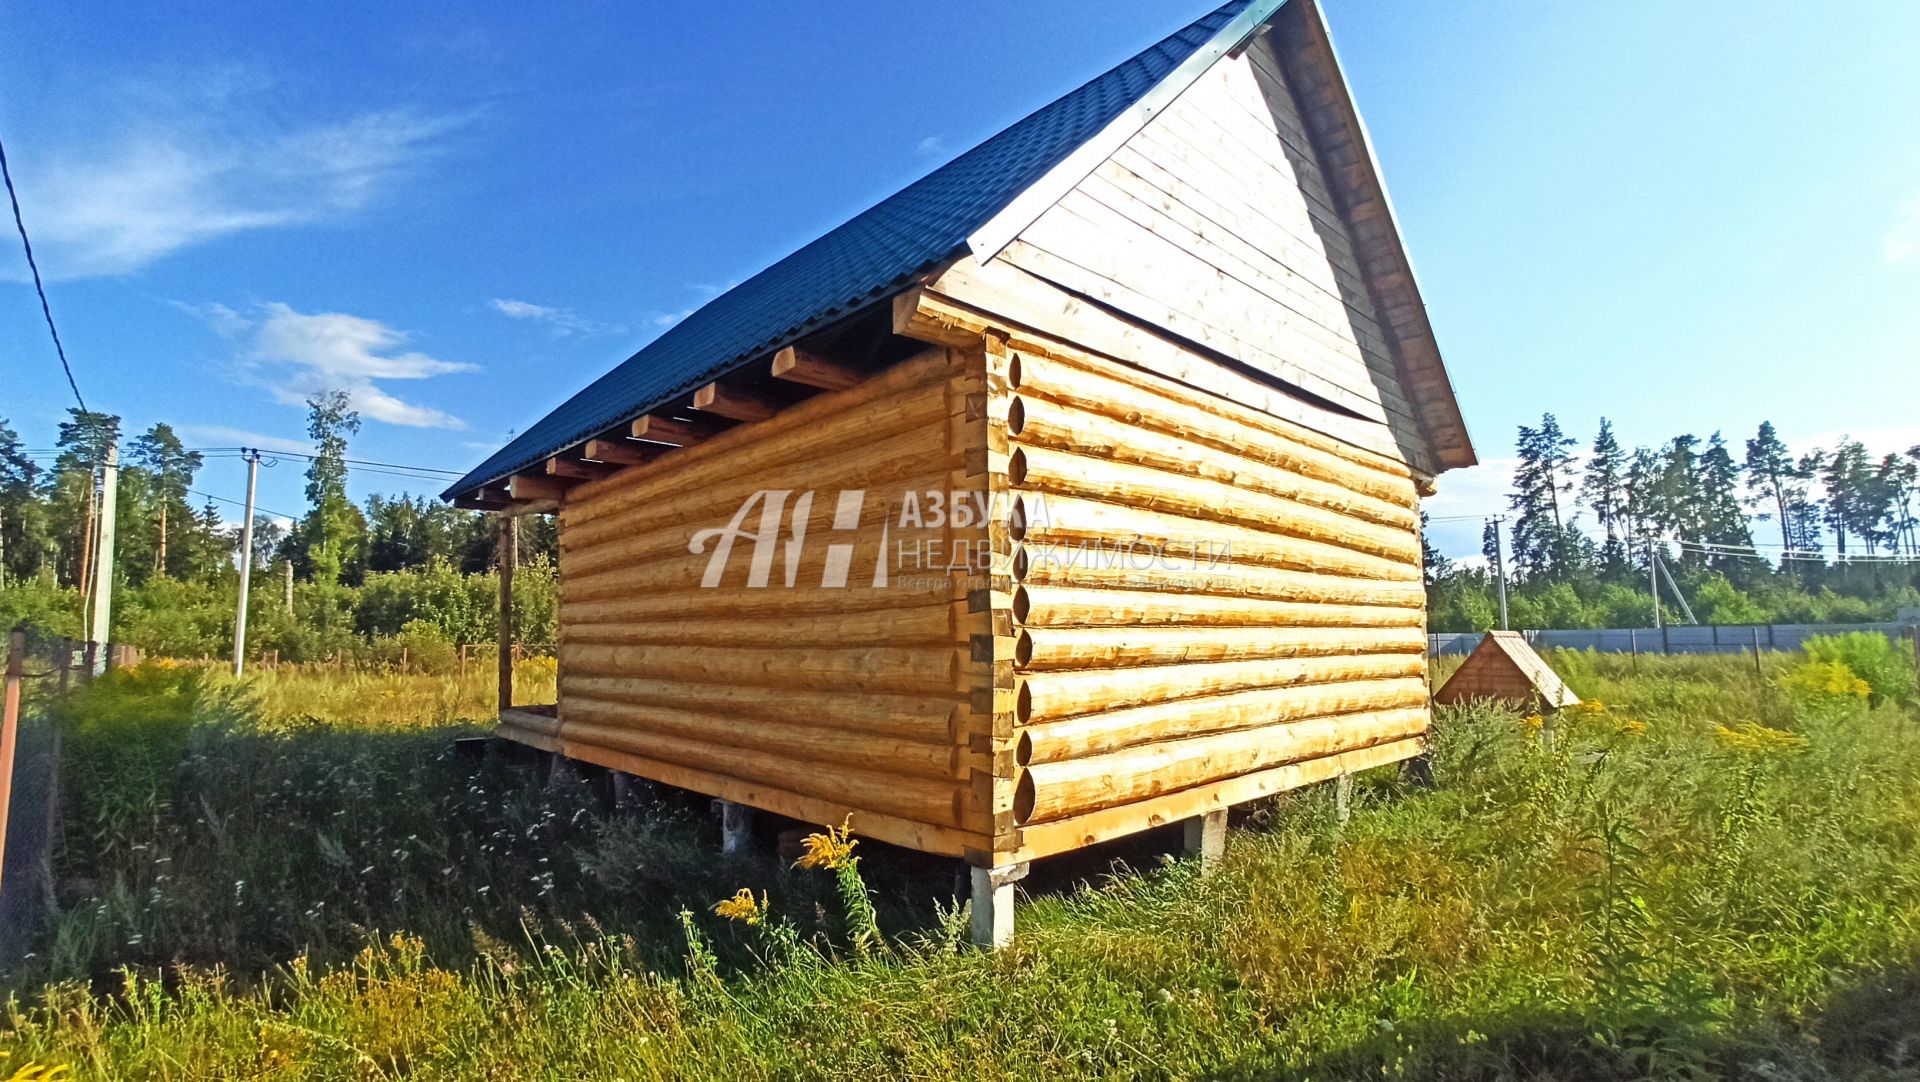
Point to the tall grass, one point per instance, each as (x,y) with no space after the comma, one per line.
(1703,876)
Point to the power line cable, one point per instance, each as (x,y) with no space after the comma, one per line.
(45,309)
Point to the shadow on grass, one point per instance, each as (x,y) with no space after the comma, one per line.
(1867,1030)
(253,845)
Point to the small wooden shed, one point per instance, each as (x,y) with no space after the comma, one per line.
(1071,491)
(1506,668)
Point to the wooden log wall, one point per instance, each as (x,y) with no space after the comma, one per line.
(1205,603)
(804,699)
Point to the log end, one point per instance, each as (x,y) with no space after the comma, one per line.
(1023,798)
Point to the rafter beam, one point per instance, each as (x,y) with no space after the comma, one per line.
(796,365)
(523,486)
(724,401)
(484,499)
(667,430)
(577,469)
(619,452)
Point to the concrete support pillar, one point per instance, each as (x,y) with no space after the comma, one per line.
(736,827)
(993,905)
(1206,838)
(1343,798)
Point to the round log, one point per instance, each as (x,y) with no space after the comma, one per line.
(924,800)
(925,718)
(1040,423)
(1048,791)
(1144,570)
(1060,473)
(1057,606)
(1095,734)
(914,671)
(1041,649)
(592,720)
(1051,695)
(1173,408)
(1070,523)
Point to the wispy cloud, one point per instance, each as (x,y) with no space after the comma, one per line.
(178,168)
(933,146)
(226,436)
(563,321)
(1902,241)
(298,354)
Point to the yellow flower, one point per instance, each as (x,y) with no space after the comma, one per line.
(1759,739)
(1630,727)
(832,850)
(34,1072)
(743,906)
(1533,721)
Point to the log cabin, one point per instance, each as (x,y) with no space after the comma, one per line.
(1069,492)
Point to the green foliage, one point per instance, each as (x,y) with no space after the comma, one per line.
(1819,688)
(1648,899)
(1886,668)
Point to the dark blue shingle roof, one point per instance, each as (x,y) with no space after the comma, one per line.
(855,265)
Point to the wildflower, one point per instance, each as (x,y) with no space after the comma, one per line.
(1532,721)
(743,907)
(1759,739)
(1630,727)
(832,850)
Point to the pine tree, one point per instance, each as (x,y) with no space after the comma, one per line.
(1723,522)
(332,534)
(1771,477)
(23,524)
(1604,492)
(1846,477)
(172,468)
(71,491)
(1544,547)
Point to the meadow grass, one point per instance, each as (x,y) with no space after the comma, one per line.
(1703,876)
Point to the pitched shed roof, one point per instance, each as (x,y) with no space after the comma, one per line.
(1506,667)
(870,257)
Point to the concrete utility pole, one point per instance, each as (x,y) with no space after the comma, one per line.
(1653,580)
(1500,566)
(100,627)
(246,564)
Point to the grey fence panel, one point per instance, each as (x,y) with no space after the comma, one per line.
(1681,639)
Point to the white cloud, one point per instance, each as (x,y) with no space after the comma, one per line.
(1457,512)
(564,321)
(1902,241)
(297,354)
(176,173)
(226,436)
(933,146)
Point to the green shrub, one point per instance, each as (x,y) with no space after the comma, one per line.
(1823,687)
(1887,669)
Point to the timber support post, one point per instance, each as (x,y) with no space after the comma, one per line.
(736,828)
(10,727)
(992,919)
(1206,838)
(509,554)
(1343,798)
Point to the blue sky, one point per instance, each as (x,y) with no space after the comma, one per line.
(1686,217)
